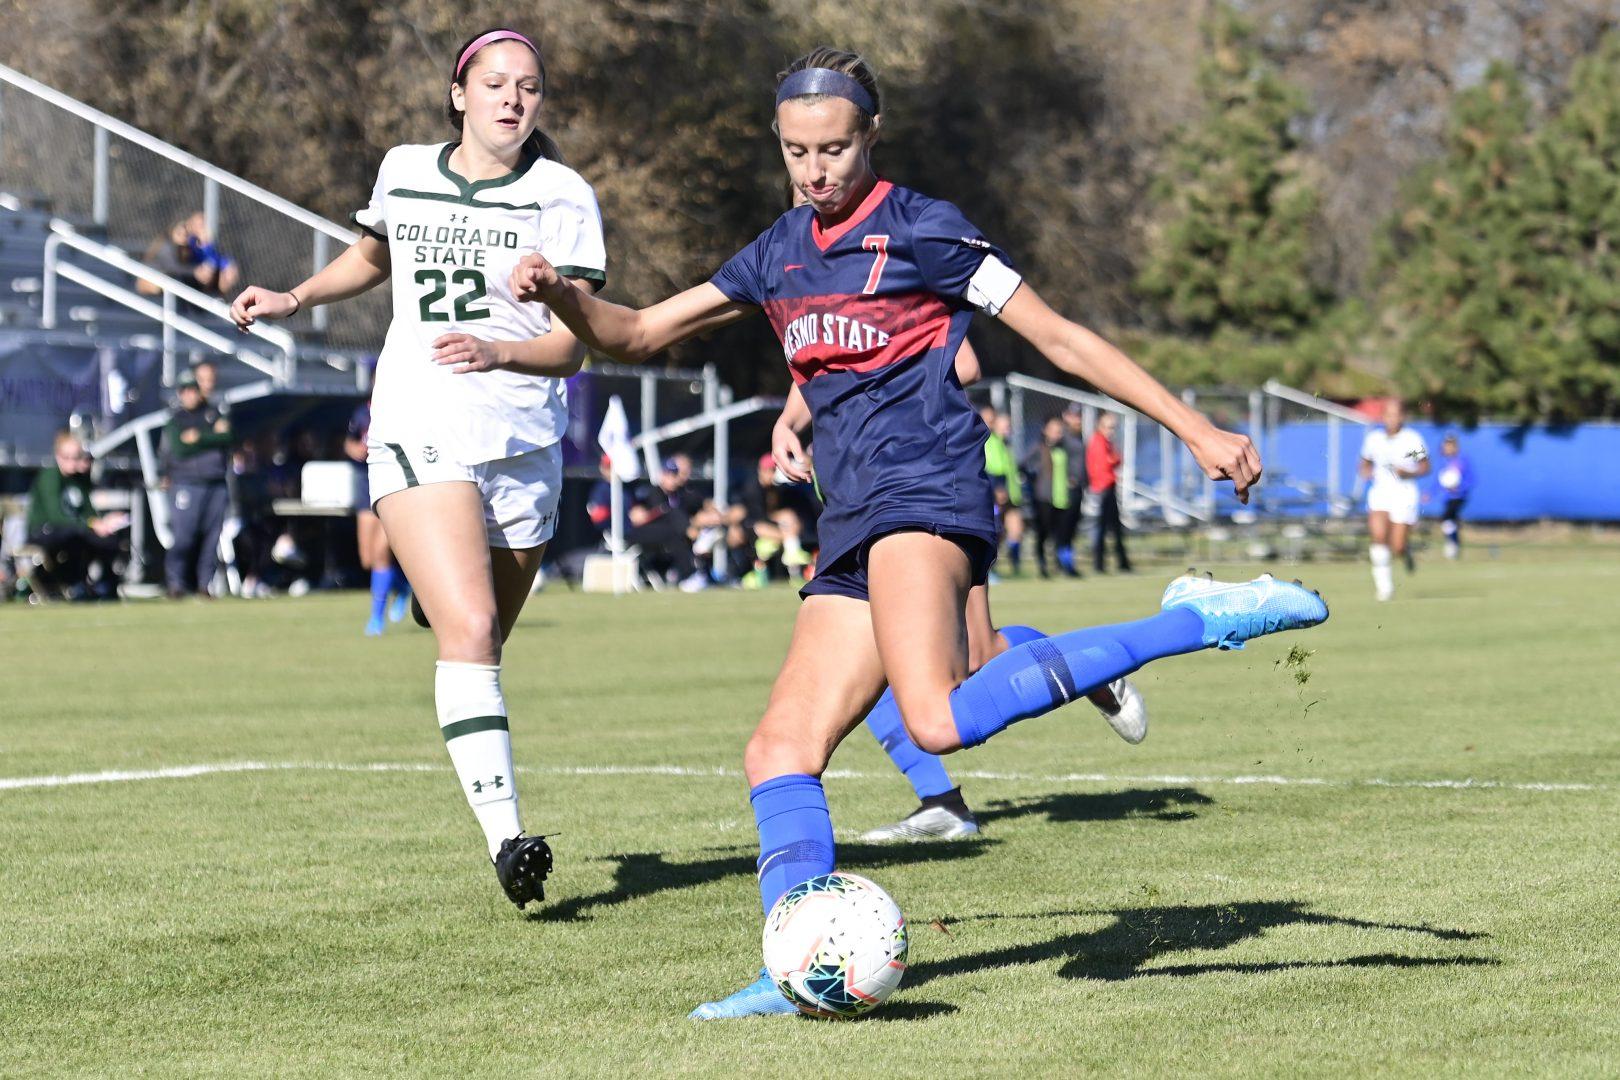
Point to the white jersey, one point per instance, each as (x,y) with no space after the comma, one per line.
(453,244)
(1403,450)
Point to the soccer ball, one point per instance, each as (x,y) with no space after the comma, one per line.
(835,945)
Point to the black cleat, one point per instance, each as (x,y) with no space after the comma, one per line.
(522,866)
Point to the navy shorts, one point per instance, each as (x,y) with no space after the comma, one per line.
(846,575)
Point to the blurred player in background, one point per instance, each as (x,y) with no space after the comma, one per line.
(1455,478)
(387,579)
(469,406)
(1393,458)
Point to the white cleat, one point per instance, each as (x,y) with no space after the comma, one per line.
(926,823)
(1129,717)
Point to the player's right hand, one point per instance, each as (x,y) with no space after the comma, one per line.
(789,454)
(256,303)
(534,279)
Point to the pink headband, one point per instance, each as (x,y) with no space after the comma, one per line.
(489,39)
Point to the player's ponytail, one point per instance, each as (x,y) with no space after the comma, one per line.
(845,63)
(538,144)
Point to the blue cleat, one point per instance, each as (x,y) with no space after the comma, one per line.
(758,998)
(399,606)
(1234,613)
(375,626)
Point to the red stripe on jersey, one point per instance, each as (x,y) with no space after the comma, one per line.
(820,334)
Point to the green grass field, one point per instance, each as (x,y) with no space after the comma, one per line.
(327,910)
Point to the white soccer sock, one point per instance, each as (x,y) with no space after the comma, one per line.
(472,717)
(1383,576)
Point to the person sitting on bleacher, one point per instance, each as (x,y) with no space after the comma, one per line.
(188,253)
(71,536)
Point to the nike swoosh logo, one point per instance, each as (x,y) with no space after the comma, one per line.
(792,266)
(773,855)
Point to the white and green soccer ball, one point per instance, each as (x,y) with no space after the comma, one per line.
(836,945)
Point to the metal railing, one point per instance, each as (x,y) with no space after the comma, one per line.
(166,313)
(95,168)
(1278,396)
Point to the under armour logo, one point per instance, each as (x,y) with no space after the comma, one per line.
(494,784)
(430,454)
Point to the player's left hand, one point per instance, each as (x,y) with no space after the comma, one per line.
(1226,455)
(465,354)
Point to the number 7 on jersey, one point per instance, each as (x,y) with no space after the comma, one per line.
(879,244)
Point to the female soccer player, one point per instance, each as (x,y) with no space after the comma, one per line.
(870,288)
(1393,457)
(469,403)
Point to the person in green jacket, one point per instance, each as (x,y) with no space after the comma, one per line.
(1002,469)
(66,527)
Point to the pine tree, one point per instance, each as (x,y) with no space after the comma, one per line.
(1504,294)
(1234,252)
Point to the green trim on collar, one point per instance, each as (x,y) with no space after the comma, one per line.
(469,188)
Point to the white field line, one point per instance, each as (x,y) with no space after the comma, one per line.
(181,772)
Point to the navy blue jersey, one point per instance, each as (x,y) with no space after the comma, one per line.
(871,313)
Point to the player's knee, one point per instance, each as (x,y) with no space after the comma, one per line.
(470,636)
(773,752)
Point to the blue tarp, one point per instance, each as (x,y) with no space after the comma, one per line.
(1521,473)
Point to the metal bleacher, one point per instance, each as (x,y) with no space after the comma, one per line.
(100,337)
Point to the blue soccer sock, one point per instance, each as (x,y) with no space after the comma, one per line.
(379,593)
(1019,635)
(397,583)
(925,771)
(1015,553)
(1038,676)
(795,834)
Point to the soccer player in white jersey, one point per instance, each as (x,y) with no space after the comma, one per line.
(469,404)
(1393,458)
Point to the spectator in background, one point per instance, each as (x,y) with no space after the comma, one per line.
(1047,466)
(775,520)
(188,254)
(63,524)
(660,528)
(1455,477)
(197,444)
(1002,469)
(599,501)
(1103,460)
(1074,447)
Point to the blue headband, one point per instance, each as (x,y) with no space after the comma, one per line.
(809,81)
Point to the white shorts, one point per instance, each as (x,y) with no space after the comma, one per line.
(1399,501)
(520,493)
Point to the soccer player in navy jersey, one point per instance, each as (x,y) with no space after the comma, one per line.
(870,288)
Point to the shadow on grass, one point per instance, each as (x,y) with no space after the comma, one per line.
(1159,804)
(903,1011)
(1138,936)
(641,874)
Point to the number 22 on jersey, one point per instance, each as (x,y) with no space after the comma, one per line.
(438,285)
